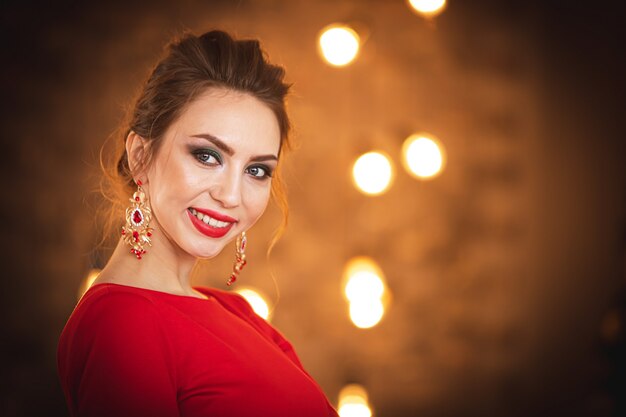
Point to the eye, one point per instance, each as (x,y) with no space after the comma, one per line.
(207,156)
(259,172)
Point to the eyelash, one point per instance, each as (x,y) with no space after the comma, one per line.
(266,169)
(201,152)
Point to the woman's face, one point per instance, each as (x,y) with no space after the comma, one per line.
(211,178)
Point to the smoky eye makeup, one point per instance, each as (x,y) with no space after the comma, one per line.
(260,171)
(205,155)
(211,157)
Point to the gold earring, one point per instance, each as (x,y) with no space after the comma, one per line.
(137,231)
(240,258)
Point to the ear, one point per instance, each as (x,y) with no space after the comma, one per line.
(136,151)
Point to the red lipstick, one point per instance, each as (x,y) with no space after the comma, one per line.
(216,215)
(207,229)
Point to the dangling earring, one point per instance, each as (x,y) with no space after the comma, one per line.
(240,258)
(137,231)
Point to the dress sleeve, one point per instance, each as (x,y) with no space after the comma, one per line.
(121,362)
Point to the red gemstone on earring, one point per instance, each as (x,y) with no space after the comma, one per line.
(137,198)
(232,279)
(137,217)
(149,234)
(123,232)
(139,183)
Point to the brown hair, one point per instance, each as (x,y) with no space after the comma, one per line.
(192,64)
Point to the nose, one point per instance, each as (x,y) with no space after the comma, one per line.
(227,189)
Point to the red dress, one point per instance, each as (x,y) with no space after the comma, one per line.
(128,351)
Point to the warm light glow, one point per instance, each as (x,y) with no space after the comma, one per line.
(366,312)
(365,290)
(256,300)
(423,156)
(428,8)
(364,285)
(363,270)
(88,281)
(373,173)
(339,45)
(353,402)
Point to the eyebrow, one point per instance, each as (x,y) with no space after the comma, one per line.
(230,151)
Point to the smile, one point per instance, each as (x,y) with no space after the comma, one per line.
(208,219)
(213,225)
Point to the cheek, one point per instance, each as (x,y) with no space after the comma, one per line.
(171,181)
(174,174)
(256,200)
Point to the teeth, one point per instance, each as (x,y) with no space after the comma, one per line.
(208,219)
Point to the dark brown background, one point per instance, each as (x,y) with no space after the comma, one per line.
(507,272)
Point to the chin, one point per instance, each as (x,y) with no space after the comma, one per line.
(208,253)
(207,257)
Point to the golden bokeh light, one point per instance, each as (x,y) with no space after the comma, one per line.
(373,173)
(366,313)
(339,45)
(362,270)
(88,281)
(366,292)
(353,402)
(423,156)
(257,300)
(364,285)
(361,264)
(428,8)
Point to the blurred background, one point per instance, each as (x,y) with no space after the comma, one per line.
(494,277)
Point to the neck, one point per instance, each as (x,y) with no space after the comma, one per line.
(165,267)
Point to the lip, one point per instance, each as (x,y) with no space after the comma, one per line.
(209,230)
(215,215)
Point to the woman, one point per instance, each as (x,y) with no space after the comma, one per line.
(203,142)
